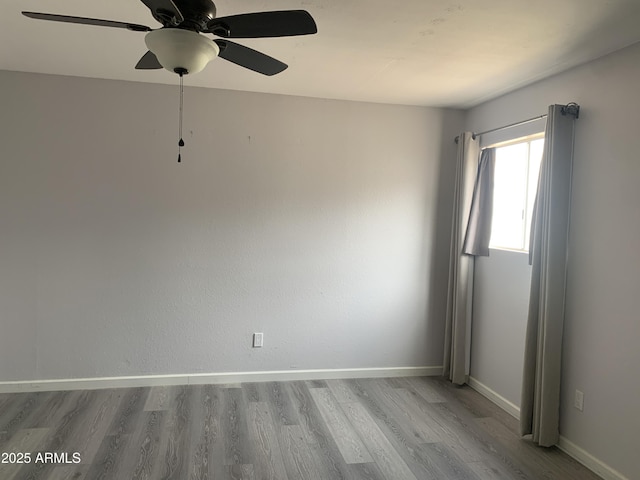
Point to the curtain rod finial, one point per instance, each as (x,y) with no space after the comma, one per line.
(571,108)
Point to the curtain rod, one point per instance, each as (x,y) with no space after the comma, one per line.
(569,108)
(522,122)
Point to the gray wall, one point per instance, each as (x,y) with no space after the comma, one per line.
(602,330)
(312,221)
(500,306)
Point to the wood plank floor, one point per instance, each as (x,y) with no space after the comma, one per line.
(371,429)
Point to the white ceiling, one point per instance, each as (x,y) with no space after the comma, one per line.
(454,53)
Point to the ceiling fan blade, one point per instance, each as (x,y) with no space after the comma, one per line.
(165,11)
(249,58)
(148,62)
(263,24)
(87,21)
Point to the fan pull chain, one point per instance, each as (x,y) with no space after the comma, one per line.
(181,141)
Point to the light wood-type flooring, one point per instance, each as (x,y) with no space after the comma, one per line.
(397,428)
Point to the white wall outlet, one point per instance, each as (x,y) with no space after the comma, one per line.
(257,340)
(579,400)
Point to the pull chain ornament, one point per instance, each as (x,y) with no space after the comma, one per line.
(181,72)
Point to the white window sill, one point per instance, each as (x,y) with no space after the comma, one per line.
(506,249)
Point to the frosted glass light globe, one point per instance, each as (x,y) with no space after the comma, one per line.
(179,49)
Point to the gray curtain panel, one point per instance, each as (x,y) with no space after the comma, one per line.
(540,403)
(478,233)
(460,290)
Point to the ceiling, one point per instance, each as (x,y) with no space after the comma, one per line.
(455,53)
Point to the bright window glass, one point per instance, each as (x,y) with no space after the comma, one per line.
(516,178)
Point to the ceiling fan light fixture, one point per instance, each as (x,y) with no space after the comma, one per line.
(179,50)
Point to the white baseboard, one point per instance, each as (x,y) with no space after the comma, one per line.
(589,461)
(213,378)
(495,397)
(567,446)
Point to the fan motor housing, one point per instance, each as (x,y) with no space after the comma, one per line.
(197,13)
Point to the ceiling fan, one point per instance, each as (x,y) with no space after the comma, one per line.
(180,46)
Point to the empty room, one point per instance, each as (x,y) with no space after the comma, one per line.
(323,240)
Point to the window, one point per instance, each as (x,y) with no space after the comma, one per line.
(516,179)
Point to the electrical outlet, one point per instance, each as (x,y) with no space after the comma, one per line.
(257,340)
(579,400)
